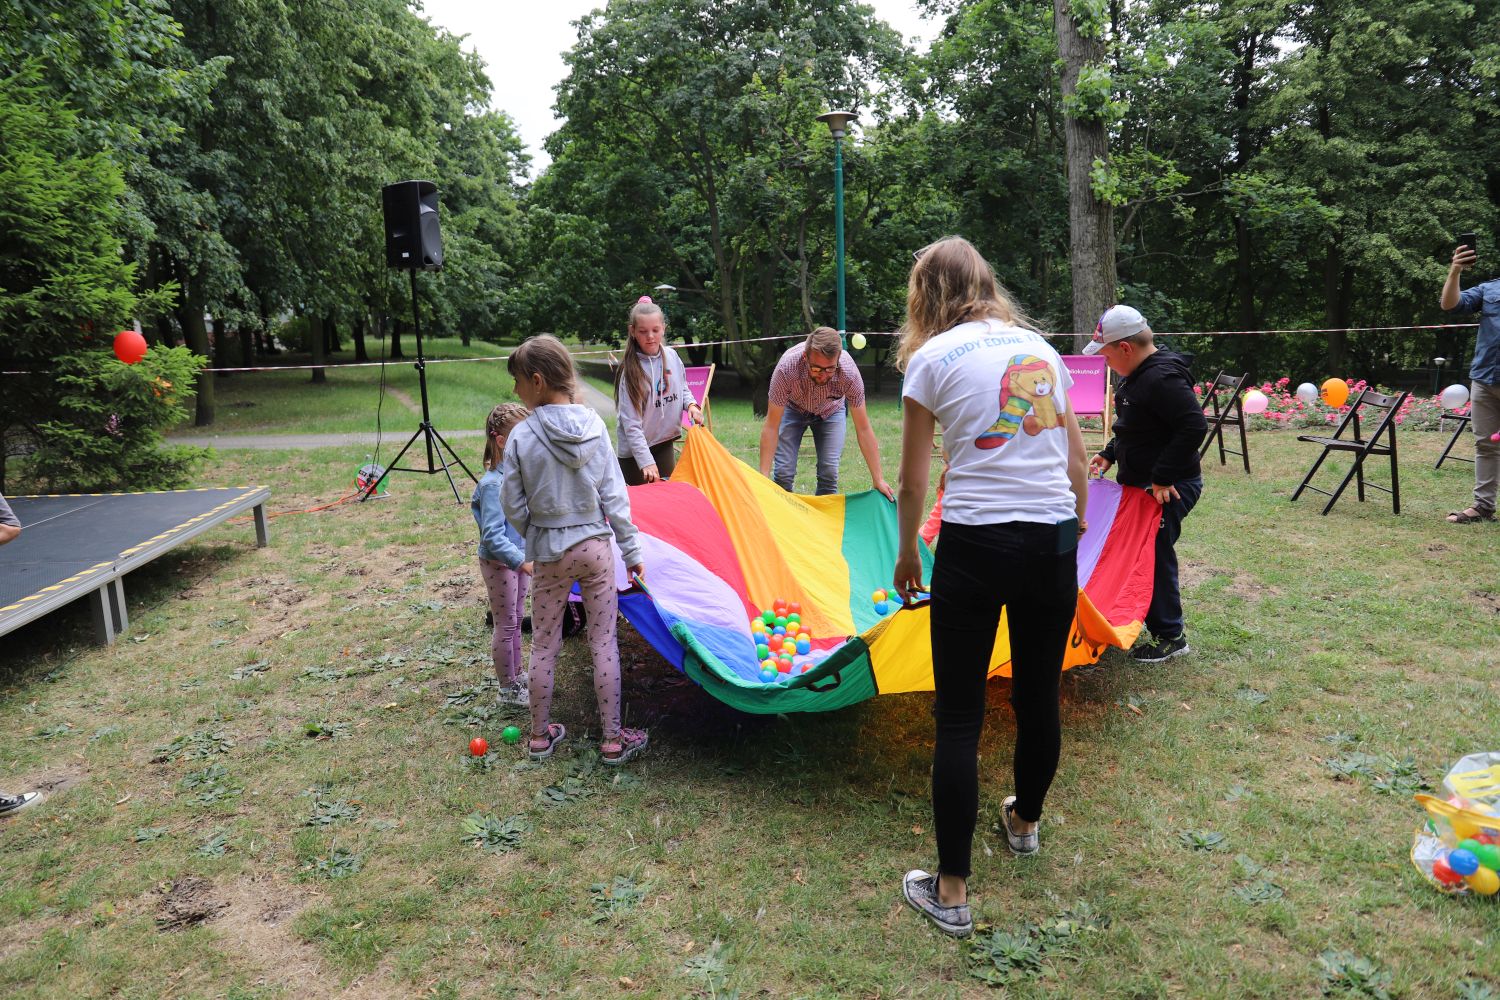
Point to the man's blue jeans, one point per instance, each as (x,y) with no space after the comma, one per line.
(1164,617)
(828,443)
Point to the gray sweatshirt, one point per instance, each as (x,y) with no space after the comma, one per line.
(667,397)
(561,482)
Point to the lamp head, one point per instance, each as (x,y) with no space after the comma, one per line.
(838,122)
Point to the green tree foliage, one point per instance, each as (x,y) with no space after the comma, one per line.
(691,136)
(65,287)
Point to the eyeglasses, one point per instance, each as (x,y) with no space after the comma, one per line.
(916,255)
(821,369)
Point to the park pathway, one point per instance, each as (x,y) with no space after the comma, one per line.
(592,397)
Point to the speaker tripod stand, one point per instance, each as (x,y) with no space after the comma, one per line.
(434,442)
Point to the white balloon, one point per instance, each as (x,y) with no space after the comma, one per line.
(1454,396)
(858,341)
(1307,392)
(1256,401)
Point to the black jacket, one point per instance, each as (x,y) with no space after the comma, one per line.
(1159,424)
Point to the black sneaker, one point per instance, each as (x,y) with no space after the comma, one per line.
(15,803)
(1160,650)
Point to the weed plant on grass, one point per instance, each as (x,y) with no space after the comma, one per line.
(352,847)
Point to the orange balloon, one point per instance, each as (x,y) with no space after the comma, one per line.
(1335,392)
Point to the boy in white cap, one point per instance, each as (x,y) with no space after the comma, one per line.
(1159,425)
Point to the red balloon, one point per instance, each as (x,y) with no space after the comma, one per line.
(130,346)
(478,747)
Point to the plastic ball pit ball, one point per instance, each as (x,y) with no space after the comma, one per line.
(768,675)
(478,747)
(762,651)
(878,596)
(511,735)
(794,608)
(882,608)
(1445,875)
(1484,881)
(1464,862)
(1488,855)
(804,647)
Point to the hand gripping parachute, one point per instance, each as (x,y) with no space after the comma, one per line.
(721,543)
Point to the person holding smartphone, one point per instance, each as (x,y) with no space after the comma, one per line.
(1484,375)
(1013,509)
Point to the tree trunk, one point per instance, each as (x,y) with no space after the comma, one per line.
(1336,307)
(1090,221)
(396,326)
(318,335)
(221,340)
(334,344)
(190,316)
(162,325)
(360,354)
(247,346)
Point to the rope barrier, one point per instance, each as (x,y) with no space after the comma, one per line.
(759,340)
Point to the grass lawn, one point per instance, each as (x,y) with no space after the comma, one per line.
(262,790)
(460,394)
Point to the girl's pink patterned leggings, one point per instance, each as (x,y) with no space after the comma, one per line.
(507,588)
(592,563)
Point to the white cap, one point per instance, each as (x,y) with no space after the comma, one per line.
(1117,323)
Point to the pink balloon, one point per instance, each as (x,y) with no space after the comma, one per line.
(130,346)
(1256,401)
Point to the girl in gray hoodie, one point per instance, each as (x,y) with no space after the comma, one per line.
(562,489)
(651,396)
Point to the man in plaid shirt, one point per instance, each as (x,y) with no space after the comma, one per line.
(811,388)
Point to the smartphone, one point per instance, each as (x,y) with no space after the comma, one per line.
(1469,240)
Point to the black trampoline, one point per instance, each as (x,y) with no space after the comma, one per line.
(82,545)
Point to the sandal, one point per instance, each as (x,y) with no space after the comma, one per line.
(629,743)
(541,747)
(1469,515)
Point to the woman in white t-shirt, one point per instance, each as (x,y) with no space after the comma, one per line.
(1012,513)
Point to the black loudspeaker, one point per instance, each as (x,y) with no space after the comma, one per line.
(412,237)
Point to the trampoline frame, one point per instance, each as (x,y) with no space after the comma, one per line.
(104,582)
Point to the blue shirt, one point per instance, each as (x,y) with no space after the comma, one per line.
(498,541)
(1485,300)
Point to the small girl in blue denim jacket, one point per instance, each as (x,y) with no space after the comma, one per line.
(502,558)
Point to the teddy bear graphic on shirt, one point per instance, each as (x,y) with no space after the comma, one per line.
(1026,402)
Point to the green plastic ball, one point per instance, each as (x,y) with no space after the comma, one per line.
(769,617)
(1489,856)
(511,735)
(762,651)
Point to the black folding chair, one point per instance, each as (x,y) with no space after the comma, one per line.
(1231,413)
(1463,425)
(1360,446)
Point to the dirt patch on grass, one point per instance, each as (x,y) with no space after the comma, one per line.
(1486,601)
(1190,573)
(1250,590)
(50,783)
(186,902)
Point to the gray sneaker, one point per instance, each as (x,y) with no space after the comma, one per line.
(920,891)
(1020,843)
(15,803)
(517,692)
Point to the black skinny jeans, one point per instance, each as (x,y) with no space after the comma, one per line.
(978,570)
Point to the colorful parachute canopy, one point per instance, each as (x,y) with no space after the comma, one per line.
(722,543)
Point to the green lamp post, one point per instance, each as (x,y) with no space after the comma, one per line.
(838,124)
